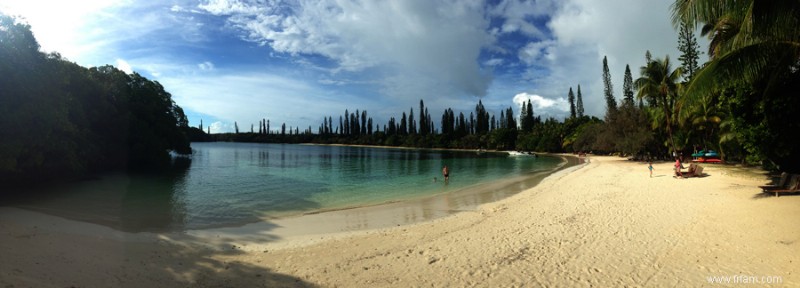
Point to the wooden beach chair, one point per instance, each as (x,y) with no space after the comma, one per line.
(793,186)
(781,182)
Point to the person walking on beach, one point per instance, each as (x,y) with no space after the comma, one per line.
(446,174)
(650,166)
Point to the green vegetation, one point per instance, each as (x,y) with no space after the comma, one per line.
(750,83)
(741,103)
(63,121)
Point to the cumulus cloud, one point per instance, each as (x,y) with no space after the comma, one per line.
(58,25)
(415,39)
(541,105)
(584,31)
(516,15)
(221,127)
(533,52)
(124,66)
(248,96)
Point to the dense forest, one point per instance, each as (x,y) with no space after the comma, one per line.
(62,121)
(478,130)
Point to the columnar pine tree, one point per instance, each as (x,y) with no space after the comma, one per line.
(523,118)
(412,126)
(611,103)
(571,99)
(423,121)
(346,123)
(531,118)
(404,124)
(690,51)
(579,104)
(627,87)
(364,123)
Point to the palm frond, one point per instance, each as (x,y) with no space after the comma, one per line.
(747,64)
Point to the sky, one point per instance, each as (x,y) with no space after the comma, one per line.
(295,62)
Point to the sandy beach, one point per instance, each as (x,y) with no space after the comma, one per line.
(606,223)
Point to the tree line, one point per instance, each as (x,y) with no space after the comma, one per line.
(480,129)
(65,121)
(740,102)
(62,121)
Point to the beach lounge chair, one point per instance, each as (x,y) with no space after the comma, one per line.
(793,186)
(696,172)
(781,182)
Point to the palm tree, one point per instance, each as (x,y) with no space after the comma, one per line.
(751,41)
(702,117)
(660,85)
(755,46)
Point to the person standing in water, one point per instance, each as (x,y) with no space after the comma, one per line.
(446,173)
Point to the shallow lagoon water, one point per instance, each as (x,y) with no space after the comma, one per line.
(232,184)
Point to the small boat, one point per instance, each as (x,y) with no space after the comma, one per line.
(707,160)
(703,153)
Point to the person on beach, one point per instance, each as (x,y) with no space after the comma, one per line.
(678,167)
(446,174)
(650,166)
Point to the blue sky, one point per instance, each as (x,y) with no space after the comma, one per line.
(227,61)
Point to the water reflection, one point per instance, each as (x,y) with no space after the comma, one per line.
(158,202)
(232,184)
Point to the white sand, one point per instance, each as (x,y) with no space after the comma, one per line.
(604,224)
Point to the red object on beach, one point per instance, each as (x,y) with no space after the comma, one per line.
(707,160)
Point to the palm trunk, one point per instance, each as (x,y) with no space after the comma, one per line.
(667,117)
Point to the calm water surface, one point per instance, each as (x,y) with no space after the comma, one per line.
(230,184)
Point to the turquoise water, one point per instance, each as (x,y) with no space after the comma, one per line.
(230,184)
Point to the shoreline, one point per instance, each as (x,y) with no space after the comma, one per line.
(605,223)
(488,186)
(309,228)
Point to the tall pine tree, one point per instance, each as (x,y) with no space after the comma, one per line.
(571,99)
(690,51)
(579,104)
(627,87)
(608,91)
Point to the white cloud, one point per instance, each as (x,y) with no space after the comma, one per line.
(124,66)
(584,31)
(206,66)
(493,62)
(516,15)
(248,96)
(541,105)
(415,40)
(221,127)
(533,52)
(59,25)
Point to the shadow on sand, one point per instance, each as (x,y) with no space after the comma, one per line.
(45,251)
(192,261)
